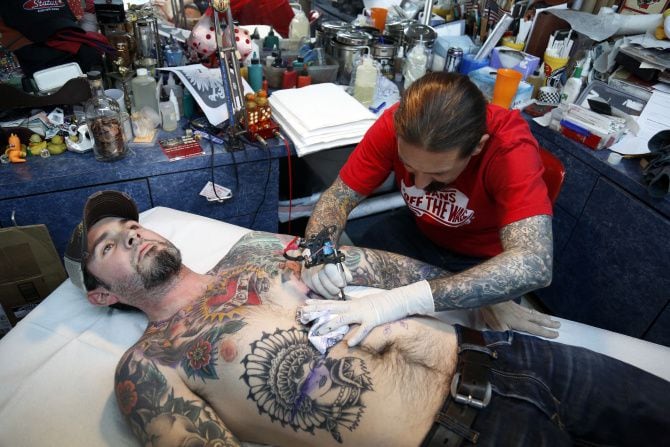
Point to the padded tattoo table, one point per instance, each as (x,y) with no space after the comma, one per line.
(57,365)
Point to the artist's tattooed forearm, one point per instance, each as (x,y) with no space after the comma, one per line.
(333,208)
(157,414)
(376,268)
(294,385)
(524,265)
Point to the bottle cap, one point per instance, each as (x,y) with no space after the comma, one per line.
(142,72)
(164,96)
(93,75)
(254,59)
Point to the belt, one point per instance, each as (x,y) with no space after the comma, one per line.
(470,392)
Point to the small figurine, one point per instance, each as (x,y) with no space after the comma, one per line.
(14,152)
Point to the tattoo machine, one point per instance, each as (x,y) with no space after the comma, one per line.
(317,250)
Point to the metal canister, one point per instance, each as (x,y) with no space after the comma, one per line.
(384,54)
(327,31)
(454,58)
(347,46)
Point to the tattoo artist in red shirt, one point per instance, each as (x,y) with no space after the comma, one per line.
(471,177)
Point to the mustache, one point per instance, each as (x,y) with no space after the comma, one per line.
(435,187)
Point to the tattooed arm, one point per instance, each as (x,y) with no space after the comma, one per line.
(333,208)
(524,265)
(161,410)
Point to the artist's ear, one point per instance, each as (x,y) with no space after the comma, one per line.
(480,145)
(101,297)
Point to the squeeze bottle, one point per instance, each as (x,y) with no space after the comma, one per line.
(365,82)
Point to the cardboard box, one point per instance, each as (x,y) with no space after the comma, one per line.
(30,269)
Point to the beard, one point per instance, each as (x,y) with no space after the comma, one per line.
(159,267)
(164,265)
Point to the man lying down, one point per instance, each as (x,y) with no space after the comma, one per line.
(224,360)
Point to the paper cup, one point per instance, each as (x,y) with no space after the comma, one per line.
(548,95)
(117,95)
(552,63)
(505,87)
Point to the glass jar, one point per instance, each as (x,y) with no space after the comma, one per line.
(103,116)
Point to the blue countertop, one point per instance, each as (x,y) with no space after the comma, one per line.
(72,170)
(627,174)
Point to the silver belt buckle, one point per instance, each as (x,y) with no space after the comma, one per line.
(468,399)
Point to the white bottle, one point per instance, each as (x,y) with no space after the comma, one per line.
(168,113)
(178,90)
(299,26)
(144,91)
(365,81)
(415,65)
(572,87)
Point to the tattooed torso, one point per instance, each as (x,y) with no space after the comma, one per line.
(240,350)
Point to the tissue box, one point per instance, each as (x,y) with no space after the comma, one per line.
(485,78)
(505,57)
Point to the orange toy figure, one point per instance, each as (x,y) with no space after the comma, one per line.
(14,152)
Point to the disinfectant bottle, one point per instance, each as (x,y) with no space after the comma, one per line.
(572,87)
(365,81)
(415,65)
(299,26)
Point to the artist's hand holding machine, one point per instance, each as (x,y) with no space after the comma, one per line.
(325,273)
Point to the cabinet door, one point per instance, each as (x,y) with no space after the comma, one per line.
(613,273)
(562,225)
(62,211)
(254,186)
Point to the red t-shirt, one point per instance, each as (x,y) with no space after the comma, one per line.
(500,185)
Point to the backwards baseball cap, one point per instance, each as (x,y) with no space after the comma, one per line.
(98,206)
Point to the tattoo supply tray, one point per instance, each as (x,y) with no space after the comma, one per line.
(181,147)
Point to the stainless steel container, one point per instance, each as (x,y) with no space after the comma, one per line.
(384,54)
(349,45)
(396,30)
(326,32)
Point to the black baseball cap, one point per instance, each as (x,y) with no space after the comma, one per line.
(98,206)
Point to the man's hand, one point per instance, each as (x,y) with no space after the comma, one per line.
(370,311)
(327,280)
(509,315)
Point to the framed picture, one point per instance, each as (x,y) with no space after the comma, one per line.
(643,6)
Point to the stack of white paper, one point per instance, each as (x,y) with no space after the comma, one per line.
(320,116)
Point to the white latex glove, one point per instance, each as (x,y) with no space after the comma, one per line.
(371,310)
(327,279)
(512,316)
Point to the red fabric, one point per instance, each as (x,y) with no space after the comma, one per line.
(500,185)
(71,41)
(76,8)
(276,13)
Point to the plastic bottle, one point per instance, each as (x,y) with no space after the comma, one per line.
(572,87)
(290,78)
(103,117)
(173,53)
(168,113)
(178,91)
(144,91)
(271,40)
(398,63)
(365,82)
(255,74)
(256,38)
(415,65)
(299,27)
(304,79)
(189,104)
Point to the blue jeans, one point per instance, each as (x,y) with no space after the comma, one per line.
(401,235)
(551,394)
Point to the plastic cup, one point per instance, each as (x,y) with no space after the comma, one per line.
(378,16)
(117,95)
(552,63)
(504,89)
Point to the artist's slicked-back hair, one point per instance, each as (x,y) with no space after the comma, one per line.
(442,111)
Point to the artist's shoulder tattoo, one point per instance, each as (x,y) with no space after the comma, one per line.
(524,265)
(295,386)
(155,410)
